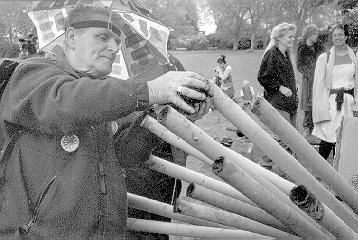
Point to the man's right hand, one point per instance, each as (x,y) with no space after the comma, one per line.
(163,89)
(285,91)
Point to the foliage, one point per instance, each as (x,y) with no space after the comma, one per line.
(14,21)
(181,16)
(231,18)
(9,49)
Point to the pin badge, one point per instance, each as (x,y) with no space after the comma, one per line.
(70,143)
(113,127)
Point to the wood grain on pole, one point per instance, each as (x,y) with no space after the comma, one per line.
(221,201)
(166,210)
(308,156)
(237,178)
(323,215)
(178,229)
(190,176)
(279,155)
(196,137)
(192,209)
(158,129)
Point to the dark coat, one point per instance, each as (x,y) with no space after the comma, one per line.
(83,192)
(306,63)
(142,180)
(276,70)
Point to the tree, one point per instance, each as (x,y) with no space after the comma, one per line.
(256,10)
(231,17)
(14,20)
(179,15)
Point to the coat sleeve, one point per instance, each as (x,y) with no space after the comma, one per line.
(43,97)
(267,75)
(320,98)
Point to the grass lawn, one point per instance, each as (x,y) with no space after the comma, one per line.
(245,64)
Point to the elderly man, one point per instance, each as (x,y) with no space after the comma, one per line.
(62,180)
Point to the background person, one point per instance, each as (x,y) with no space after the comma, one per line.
(63,180)
(223,76)
(334,90)
(308,51)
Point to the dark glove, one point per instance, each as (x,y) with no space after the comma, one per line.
(134,145)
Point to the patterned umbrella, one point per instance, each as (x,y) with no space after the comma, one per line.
(144,38)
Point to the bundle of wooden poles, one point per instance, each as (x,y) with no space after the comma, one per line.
(250,202)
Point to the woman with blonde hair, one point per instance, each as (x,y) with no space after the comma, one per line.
(277,76)
(334,90)
(277,72)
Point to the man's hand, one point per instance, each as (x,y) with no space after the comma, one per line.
(285,91)
(200,110)
(163,89)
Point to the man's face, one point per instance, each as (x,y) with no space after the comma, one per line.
(95,50)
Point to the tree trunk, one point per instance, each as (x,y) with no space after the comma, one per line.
(10,34)
(236,44)
(253,40)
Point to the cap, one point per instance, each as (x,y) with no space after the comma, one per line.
(86,17)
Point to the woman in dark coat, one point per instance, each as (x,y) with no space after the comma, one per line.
(277,74)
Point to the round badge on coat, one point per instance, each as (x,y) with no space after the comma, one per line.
(113,127)
(70,143)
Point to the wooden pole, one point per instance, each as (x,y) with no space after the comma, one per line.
(166,210)
(190,176)
(233,175)
(178,229)
(200,140)
(197,138)
(308,156)
(158,129)
(233,205)
(279,155)
(323,215)
(227,218)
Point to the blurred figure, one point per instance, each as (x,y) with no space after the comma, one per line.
(223,76)
(27,46)
(308,51)
(334,90)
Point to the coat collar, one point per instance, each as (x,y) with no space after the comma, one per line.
(61,61)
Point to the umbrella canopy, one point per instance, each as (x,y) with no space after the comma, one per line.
(144,38)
